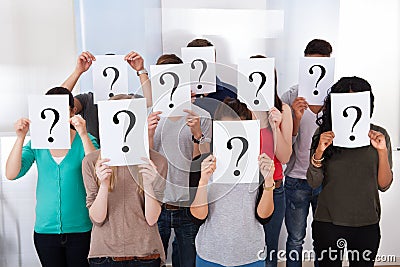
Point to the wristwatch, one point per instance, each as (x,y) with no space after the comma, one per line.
(198,141)
(142,71)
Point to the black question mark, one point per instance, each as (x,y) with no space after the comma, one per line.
(323,72)
(199,86)
(359,113)
(132,121)
(176,83)
(116,76)
(263,80)
(244,150)
(56,118)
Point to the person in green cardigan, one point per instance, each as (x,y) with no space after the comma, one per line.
(62,227)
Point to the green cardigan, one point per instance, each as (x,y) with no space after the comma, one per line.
(60,192)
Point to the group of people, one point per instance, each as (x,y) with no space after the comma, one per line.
(89,213)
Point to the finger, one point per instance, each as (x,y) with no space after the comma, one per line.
(190,112)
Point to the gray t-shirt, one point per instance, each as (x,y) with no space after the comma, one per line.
(231,235)
(300,158)
(89,113)
(173,139)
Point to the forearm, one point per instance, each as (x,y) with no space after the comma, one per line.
(283,147)
(296,126)
(71,81)
(87,144)
(98,210)
(385,174)
(199,207)
(266,205)
(13,165)
(152,207)
(151,142)
(146,88)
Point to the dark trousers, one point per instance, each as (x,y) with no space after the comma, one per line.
(109,262)
(184,250)
(335,243)
(63,250)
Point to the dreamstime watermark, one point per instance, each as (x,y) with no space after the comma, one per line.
(340,252)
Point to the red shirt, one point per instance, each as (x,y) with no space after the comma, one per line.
(267,147)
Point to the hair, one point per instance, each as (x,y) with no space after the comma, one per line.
(169,59)
(344,85)
(199,43)
(113,177)
(232,108)
(62,91)
(319,47)
(277,101)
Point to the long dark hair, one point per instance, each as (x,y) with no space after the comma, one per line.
(344,85)
(232,108)
(277,101)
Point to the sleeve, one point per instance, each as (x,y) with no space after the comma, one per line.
(389,149)
(194,178)
(89,180)
(206,128)
(259,195)
(27,159)
(162,169)
(94,141)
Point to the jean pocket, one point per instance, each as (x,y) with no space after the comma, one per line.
(98,261)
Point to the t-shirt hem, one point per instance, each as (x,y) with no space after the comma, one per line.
(217,261)
(348,224)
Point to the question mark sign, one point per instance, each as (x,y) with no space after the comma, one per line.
(56,118)
(345,114)
(176,83)
(116,76)
(204,64)
(245,146)
(132,121)
(322,75)
(263,80)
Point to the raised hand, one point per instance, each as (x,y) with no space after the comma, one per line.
(193,121)
(152,122)
(274,117)
(103,171)
(266,166)
(21,127)
(378,140)
(79,123)
(325,140)
(299,105)
(135,60)
(208,167)
(149,172)
(84,62)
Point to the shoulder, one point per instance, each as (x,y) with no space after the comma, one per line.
(290,95)
(286,108)
(91,158)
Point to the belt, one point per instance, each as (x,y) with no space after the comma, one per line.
(171,207)
(148,257)
(278,183)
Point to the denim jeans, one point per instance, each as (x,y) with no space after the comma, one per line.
(299,197)
(109,262)
(184,250)
(203,263)
(273,228)
(63,250)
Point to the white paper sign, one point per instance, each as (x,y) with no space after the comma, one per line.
(237,147)
(351,119)
(202,66)
(49,116)
(123,131)
(171,89)
(256,83)
(316,76)
(110,77)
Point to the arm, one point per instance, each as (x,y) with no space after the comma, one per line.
(152,207)
(97,196)
(199,206)
(15,159)
(315,174)
(83,64)
(193,121)
(265,205)
(152,122)
(137,63)
(298,106)
(80,125)
(385,175)
(281,124)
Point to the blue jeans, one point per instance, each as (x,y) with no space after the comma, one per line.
(184,250)
(109,262)
(203,263)
(299,197)
(273,228)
